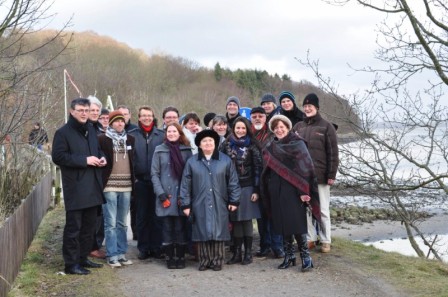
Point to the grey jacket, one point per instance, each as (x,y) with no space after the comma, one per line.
(163,181)
(207,188)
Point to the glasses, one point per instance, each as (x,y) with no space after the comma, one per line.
(82,110)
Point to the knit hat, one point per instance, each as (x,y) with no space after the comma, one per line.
(115,115)
(258,109)
(233,99)
(208,117)
(282,118)
(206,133)
(286,94)
(312,99)
(268,97)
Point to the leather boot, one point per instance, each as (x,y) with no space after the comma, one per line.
(307,262)
(237,256)
(290,257)
(247,250)
(180,254)
(169,251)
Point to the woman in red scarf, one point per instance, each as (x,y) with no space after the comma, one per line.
(290,188)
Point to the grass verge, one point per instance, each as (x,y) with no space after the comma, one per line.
(418,277)
(39,275)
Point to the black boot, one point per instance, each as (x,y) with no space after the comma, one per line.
(290,257)
(169,251)
(247,250)
(237,257)
(307,262)
(180,253)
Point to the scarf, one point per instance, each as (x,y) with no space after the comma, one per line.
(262,134)
(118,141)
(146,129)
(239,145)
(177,163)
(290,159)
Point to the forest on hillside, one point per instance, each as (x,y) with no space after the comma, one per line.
(102,66)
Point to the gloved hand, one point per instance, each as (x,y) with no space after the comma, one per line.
(165,198)
(162,197)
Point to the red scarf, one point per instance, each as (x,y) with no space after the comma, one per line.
(146,129)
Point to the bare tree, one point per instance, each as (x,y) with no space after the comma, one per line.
(401,157)
(25,89)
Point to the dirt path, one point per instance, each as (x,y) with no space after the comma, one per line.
(333,276)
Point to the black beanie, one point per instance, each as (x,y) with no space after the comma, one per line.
(208,117)
(312,99)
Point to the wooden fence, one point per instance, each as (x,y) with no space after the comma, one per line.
(18,231)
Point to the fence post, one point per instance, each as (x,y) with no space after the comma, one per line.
(57,187)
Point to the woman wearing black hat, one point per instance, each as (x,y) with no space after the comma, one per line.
(289,188)
(209,190)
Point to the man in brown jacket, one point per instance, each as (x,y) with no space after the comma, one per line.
(321,138)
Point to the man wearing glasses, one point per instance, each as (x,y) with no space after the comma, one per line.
(76,151)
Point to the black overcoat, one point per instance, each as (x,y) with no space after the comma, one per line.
(82,184)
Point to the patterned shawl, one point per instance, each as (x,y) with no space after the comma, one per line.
(289,158)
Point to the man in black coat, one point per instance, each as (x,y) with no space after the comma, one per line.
(76,151)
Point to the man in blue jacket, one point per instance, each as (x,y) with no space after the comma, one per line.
(76,151)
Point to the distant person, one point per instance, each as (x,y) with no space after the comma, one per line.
(289,108)
(290,185)
(268,239)
(209,190)
(208,117)
(127,117)
(77,152)
(118,181)
(129,127)
(38,136)
(191,125)
(269,104)
(149,226)
(167,166)
(170,114)
(322,141)
(232,110)
(103,119)
(243,149)
(94,114)
(220,126)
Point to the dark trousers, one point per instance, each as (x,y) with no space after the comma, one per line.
(268,239)
(99,231)
(78,235)
(174,230)
(133,212)
(149,226)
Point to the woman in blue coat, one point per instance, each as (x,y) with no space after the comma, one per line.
(166,172)
(209,190)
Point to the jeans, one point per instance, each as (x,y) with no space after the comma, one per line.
(115,212)
(267,238)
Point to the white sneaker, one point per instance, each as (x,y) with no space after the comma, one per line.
(124,261)
(114,263)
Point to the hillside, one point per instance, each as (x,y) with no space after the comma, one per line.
(103,66)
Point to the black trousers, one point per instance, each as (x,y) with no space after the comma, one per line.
(79,231)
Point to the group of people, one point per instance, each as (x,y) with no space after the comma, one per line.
(193,189)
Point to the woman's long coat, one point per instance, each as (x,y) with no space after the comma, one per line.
(163,181)
(207,188)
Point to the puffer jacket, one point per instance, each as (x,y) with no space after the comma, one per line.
(322,142)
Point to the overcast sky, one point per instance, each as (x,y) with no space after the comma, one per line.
(255,34)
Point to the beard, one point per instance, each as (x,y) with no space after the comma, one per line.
(258,126)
